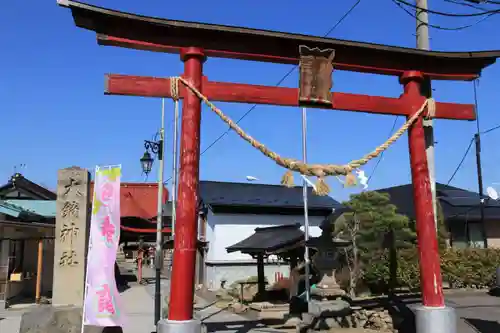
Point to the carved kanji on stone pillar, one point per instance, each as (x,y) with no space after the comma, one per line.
(72,222)
(316,69)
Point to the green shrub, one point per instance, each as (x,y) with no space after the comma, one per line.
(462,268)
(470,267)
(377,273)
(376,227)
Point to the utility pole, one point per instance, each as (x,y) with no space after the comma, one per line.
(430,319)
(423,43)
(477,140)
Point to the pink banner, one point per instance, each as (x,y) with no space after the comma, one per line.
(101,303)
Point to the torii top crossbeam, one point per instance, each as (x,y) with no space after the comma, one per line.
(163,35)
(196,41)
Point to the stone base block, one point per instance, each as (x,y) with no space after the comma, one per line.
(54,319)
(435,320)
(178,326)
(327,292)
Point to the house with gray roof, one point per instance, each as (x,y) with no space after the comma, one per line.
(231,212)
(27,224)
(461,212)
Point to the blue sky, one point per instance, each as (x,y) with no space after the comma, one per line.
(54,113)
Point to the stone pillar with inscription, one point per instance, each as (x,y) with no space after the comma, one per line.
(71,236)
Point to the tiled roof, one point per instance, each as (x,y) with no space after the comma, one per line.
(17,181)
(456,203)
(21,212)
(45,208)
(138,199)
(10,209)
(251,194)
(269,239)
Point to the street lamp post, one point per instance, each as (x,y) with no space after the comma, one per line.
(156,147)
(146,161)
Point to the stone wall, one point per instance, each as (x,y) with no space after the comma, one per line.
(376,319)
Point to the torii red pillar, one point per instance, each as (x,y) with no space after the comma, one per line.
(433,315)
(430,270)
(184,258)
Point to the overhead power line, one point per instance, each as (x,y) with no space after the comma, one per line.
(280,81)
(220,137)
(434,26)
(490,130)
(476,139)
(465,4)
(382,154)
(486,12)
(401,4)
(484,2)
(467,152)
(461,162)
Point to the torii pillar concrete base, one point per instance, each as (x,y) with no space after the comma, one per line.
(435,319)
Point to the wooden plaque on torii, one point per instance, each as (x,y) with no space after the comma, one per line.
(315,80)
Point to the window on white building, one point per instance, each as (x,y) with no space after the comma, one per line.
(466,234)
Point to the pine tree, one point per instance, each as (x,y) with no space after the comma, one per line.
(377,219)
(373,226)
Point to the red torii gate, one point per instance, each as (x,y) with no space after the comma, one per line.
(196,41)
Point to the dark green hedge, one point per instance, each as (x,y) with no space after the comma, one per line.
(461,268)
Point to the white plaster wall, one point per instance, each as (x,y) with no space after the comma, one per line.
(210,236)
(224,230)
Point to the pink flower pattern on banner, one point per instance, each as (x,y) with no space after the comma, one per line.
(108,230)
(102,305)
(105,302)
(106,192)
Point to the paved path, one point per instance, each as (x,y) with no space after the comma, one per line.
(165,290)
(478,312)
(216,320)
(137,308)
(10,324)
